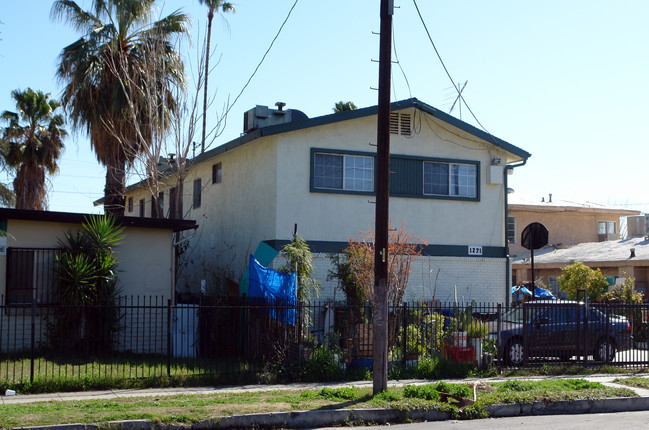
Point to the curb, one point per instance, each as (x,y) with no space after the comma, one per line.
(326,418)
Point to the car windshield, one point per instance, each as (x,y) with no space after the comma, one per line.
(551,313)
(515,315)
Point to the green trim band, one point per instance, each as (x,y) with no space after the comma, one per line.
(328,247)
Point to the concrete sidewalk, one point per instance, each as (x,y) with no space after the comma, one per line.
(157,392)
(322,418)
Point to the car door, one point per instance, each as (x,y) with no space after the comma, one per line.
(543,335)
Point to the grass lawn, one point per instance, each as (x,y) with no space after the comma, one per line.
(187,409)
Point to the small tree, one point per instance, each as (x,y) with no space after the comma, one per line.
(298,258)
(343,273)
(578,276)
(402,249)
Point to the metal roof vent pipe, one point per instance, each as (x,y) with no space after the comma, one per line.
(550,200)
(632,253)
(280,105)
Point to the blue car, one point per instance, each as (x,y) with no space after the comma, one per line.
(548,329)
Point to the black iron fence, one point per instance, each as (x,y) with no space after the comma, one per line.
(149,337)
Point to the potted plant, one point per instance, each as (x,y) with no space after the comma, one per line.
(413,343)
(476,332)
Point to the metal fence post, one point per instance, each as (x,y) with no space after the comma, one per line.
(404,346)
(299,332)
(525,333)
(168,337)
(498,329)
(33,342)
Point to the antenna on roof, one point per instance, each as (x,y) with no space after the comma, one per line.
(458,99)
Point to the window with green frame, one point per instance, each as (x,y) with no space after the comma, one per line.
(343,172)
(450,179)
(410,176)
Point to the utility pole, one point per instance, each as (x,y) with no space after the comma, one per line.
(380,364)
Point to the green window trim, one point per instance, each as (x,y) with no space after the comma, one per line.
(407,175)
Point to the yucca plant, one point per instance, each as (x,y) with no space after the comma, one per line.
(87,288)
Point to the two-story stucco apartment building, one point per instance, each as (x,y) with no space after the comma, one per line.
(448,187)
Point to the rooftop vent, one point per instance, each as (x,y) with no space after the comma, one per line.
(262,116)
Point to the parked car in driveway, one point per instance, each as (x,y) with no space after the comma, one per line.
(563,329)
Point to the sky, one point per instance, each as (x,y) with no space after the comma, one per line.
(565,81)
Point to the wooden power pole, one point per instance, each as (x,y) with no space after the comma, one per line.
(380,364)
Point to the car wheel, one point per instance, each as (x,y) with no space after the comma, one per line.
(605,351)
(514,352)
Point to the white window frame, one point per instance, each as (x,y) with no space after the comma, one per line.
(454,180)
(354,177)
(511,229)
(607,227)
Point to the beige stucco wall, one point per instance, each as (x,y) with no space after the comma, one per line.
(338,217)
(234,215)
(145,255)
(145,269)
(266,191)
(565,226)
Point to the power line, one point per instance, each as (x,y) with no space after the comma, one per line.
(258,65)
(446,70)
(396,58)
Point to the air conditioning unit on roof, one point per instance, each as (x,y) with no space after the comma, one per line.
(262,116)
(637,225)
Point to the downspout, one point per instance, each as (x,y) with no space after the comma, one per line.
(508,272)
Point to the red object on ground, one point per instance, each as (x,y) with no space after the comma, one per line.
(457,353)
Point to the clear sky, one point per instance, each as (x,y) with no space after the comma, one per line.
(564,80)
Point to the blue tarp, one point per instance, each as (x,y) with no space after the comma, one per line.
(265,254)
(273,288)
(539,292)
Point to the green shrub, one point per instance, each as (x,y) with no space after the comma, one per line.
(359,374)
(477,330)
(578,276)
(426,392)
(345,393)
(515,385)
(426,367)
(455,389)
(322,366)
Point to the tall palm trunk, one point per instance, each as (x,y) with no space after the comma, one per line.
(115,189)
(210,16)
(29,186)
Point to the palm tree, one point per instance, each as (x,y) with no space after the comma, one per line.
(212,6)
(117,35)
(32,144)
(342,106)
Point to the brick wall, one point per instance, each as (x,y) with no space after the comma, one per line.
(482,279)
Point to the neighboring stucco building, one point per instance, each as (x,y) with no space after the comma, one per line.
(568,222)
(448,187)
(146,253)
(30,243)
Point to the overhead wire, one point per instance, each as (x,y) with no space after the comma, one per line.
(258,65)
(446,69)
(396,58)
(429,117)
